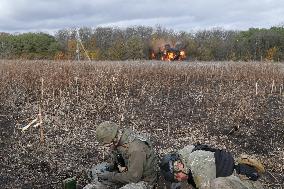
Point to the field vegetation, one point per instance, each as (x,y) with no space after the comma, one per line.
(237,106)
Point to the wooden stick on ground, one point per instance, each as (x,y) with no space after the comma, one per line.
(32,122)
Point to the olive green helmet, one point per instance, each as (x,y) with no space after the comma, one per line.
(106,132)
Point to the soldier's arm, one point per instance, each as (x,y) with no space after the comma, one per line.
(134,173)
(112,163)
(203,168)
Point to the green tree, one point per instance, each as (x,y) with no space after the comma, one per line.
(134,48)
(117,51)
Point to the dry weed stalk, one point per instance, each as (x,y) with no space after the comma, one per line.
(38,121)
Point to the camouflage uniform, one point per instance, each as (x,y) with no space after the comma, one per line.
(203,169)
(234,182)
(140,160)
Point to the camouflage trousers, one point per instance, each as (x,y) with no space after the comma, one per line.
(234,182)
(230,182)
(139,185)
(96,184)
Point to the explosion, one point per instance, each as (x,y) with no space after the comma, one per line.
(168,53)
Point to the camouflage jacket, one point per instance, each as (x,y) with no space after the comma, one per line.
(140,159)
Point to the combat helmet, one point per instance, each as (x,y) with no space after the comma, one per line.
(167,166)
(106,132)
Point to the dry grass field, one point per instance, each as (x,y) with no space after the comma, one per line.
(237,106)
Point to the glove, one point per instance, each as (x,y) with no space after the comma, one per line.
(109,168)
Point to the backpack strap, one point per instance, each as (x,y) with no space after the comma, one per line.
(203,147)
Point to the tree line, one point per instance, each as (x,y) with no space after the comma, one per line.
(133,43)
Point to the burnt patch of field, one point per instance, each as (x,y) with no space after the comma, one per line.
(237,106)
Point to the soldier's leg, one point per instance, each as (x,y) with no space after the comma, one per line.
(252,184)
(234,182)
(100,185)
(95,182)
(231,182)
(138,185)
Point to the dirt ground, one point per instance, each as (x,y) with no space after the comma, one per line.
(175,110)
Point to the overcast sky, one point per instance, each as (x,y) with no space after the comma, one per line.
(186,15)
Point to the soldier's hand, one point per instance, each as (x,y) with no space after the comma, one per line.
(109,168)
(103,176)
(121,169)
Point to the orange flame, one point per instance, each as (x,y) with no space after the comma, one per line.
(168,54)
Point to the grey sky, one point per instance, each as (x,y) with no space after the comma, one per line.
(187,15)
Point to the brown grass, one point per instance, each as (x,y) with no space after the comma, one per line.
(177,103)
